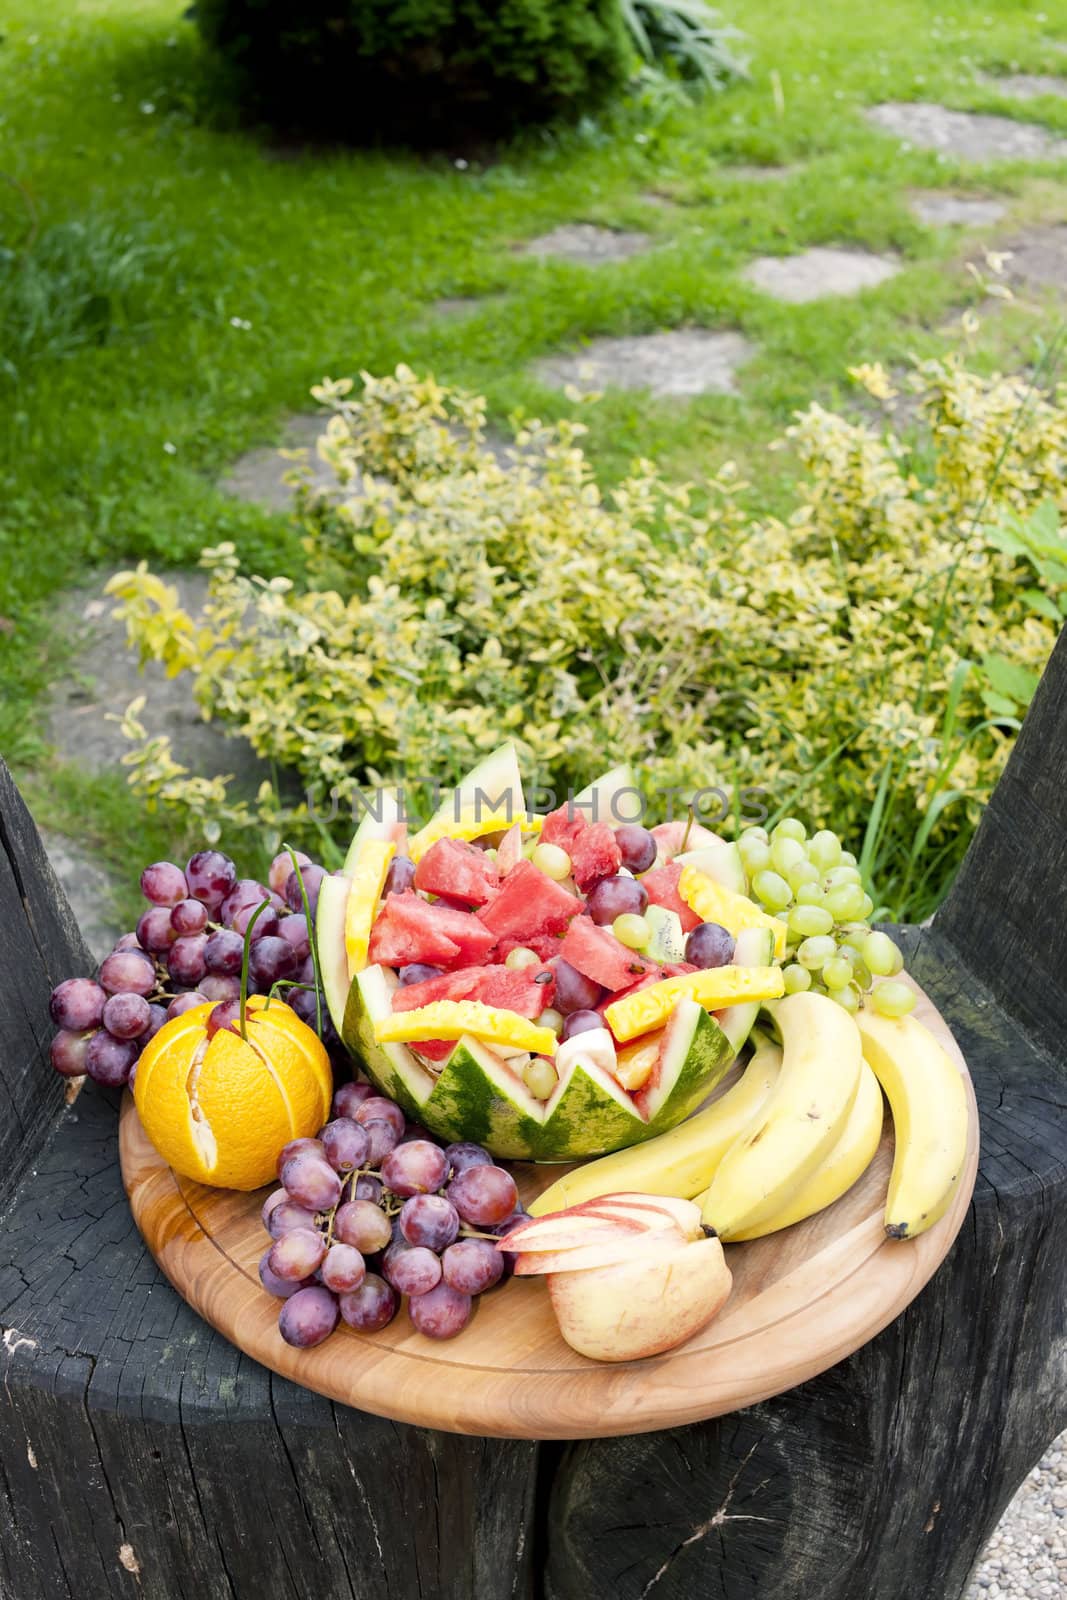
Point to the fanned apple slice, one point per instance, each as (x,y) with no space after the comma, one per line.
(607,1253)
(566,1230)
(648,1208)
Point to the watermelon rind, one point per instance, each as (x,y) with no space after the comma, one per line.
(330,938)
(596,802)
(492,792)
(392,1067)
(379,822)
(721,861)
(696,1055)
(754,948)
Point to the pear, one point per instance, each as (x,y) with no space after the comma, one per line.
(644,1305)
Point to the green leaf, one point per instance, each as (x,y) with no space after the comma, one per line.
(1009,679)
(998,705)
(1043,604)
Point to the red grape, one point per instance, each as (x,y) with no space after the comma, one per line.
(440,1313)
(417,1167)
(129,941)
(163,883)
(372,1306)
(472,1266)
(157,1017)
(346,1144)
(266,923)
(126,972)
(295,1146)
(210,876)
(417,972)
(430,1220)
(155,930)
(185,959)
(343,1269)
(637,847)
(306,1006)
(581,1022)
(282,866)
(108,1060)
(311,1181)
(189,916)
(280,1288)
(68,1053)
(308,1318)
(270,960)
(77,1004)
(709,945)
(383,1139)
(223,952)
(411,1269)
(460,1157)
(377,1108)
(483,1195)
(363,1225)
(312,876)
(367,1188)
(401,875)
(288,1216)
(295,931)
(184,1002)
(349,1098)
(574,991)
(297,1253)
(276,1198)
(246,893)
(616,897)
(127,1016)
(225,1015)
(215,988)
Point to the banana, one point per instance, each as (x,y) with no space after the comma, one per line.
(800,1121)
(929,1104)
(847,1161)
(681,1162)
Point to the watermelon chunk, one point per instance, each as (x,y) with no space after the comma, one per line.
(409,929)
(563,826)
(661,886)
(597,954)
(458,870)
(527,991)
(528,904)
(546,945)
(595,855)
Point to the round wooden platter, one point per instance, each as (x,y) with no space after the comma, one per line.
(802,1299)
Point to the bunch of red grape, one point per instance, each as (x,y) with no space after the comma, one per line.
(372,1209)
(187,948)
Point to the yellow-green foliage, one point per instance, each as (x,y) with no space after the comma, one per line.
(451,601)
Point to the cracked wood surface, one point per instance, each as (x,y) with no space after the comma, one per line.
(142,1455)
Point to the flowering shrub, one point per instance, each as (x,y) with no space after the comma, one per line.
(875,648)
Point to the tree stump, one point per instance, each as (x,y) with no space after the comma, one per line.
(140,1454)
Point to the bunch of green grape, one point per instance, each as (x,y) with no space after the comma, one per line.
(815,887)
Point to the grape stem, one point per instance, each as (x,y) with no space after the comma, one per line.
(311,938)
(688,829)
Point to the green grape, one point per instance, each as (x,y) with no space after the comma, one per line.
(868,908)
(881,955)
(773,890)
(893,999)
(845,903)
(800,874)
(806,920)
(824,849)
(631,930)
(796,979)
(855,937)
(757,833)
(786,853)
(850,998)
(811,894)
(848,858)
(837,973)
(813,952)
(551,1019)
(790,828)
(861,973)
(755,854)
(839,875)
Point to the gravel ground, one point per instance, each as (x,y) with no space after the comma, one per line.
(1026,1559)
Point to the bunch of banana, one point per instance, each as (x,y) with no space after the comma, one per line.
(801,1125)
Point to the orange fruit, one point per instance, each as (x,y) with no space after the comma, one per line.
(218,1110)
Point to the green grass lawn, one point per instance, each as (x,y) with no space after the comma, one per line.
(218,277)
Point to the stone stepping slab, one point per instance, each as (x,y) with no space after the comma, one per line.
(259,475)
(683,362)
(818,273)
(1027,85)
(941,210)
(1039,257)
(587,243)
(970,135)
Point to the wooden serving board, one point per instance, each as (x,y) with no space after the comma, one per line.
(802,1299)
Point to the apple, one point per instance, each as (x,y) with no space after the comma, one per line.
(642,1306)
(565,1230)
(651,1209)
(604,1253)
